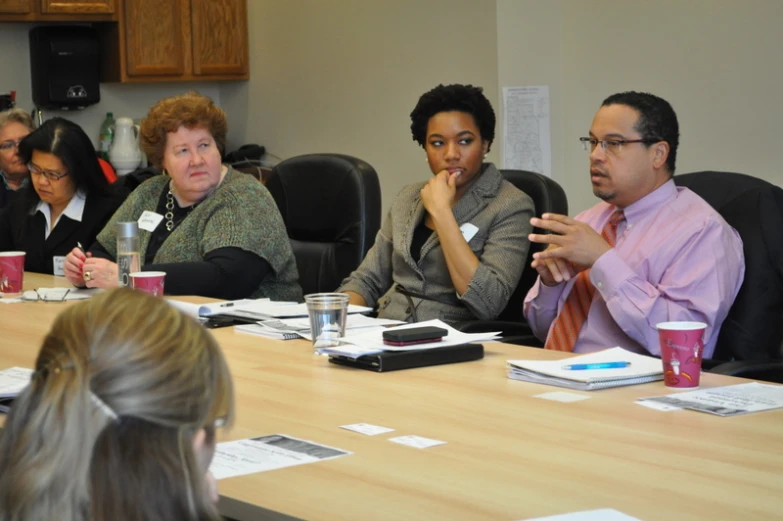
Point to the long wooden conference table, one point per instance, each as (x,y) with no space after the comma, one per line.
(509,455)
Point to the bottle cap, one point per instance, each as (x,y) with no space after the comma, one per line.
(127,229)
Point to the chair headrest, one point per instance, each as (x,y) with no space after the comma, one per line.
(338,192)
(547,194)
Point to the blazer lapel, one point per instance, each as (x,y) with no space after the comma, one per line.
(65,230)
(414,218)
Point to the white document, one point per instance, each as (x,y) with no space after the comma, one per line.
(605,514)
(13,380)
(373,340)
(366,428)
(284,310)
(206,310)
(149,220)
(241,457)
(292,328)
(526,137)
(254,309)
(730,400)
(418,442)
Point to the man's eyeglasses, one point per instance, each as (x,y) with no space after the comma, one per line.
(51,176)
(5,146)
(612,146)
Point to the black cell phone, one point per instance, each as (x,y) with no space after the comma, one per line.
(413,335)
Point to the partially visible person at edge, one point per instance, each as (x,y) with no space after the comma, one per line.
(452,247)
(650,252)
(214,231)
(67,201)
(119,419)
(15,124)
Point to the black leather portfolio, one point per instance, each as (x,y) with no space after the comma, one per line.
(394,360)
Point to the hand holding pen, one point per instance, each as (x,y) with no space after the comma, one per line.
(74,263)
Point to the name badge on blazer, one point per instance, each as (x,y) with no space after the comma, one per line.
(468,231)
(59,265)
(149,220)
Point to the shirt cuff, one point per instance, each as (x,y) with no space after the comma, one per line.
(546,296)
(609,272)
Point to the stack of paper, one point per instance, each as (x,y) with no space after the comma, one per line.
(641,369)
(258,309)
(369,342)
(292,328)
(12,381)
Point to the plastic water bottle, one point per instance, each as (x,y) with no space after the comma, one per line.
(105,137)
(128,258)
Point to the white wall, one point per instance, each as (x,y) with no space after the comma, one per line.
(343,76)
(716,61)
(123,100)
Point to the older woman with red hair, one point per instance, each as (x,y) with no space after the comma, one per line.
(214,231)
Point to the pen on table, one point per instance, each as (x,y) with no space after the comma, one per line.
(600,365)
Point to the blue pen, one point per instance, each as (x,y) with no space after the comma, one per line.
(601,365)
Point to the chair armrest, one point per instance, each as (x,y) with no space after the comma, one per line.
(769,371)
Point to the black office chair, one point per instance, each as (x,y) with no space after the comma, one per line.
(331,206)
(548,196)
(752,334)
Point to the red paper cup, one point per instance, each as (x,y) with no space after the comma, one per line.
(11,273)
(682,345)
(150,282)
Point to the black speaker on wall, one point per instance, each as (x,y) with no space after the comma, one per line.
(65,68)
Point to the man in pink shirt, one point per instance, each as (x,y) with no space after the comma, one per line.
(650,252)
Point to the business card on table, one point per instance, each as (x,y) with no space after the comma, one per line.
(562,396)
(418,442)
(658,406)
(366,428)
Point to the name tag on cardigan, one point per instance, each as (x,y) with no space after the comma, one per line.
(468,231)
(59,265)
(149,220)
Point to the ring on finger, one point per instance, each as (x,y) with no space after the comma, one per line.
(87,275)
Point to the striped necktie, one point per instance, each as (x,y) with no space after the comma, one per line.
(565,329)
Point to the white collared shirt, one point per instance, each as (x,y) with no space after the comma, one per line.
(73,211)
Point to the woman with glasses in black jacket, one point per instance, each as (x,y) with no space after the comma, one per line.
(67,202)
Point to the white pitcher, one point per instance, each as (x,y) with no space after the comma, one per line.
(124,153)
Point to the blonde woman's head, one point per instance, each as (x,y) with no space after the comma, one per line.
(124,386)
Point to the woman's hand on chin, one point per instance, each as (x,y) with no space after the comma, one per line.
(439,193)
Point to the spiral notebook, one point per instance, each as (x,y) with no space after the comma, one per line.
(642,369)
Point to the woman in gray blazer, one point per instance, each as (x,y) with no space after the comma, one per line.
(452,247)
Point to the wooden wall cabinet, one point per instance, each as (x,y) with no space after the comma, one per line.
(78,7)
(176,40)
(58,10)
(16,6)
